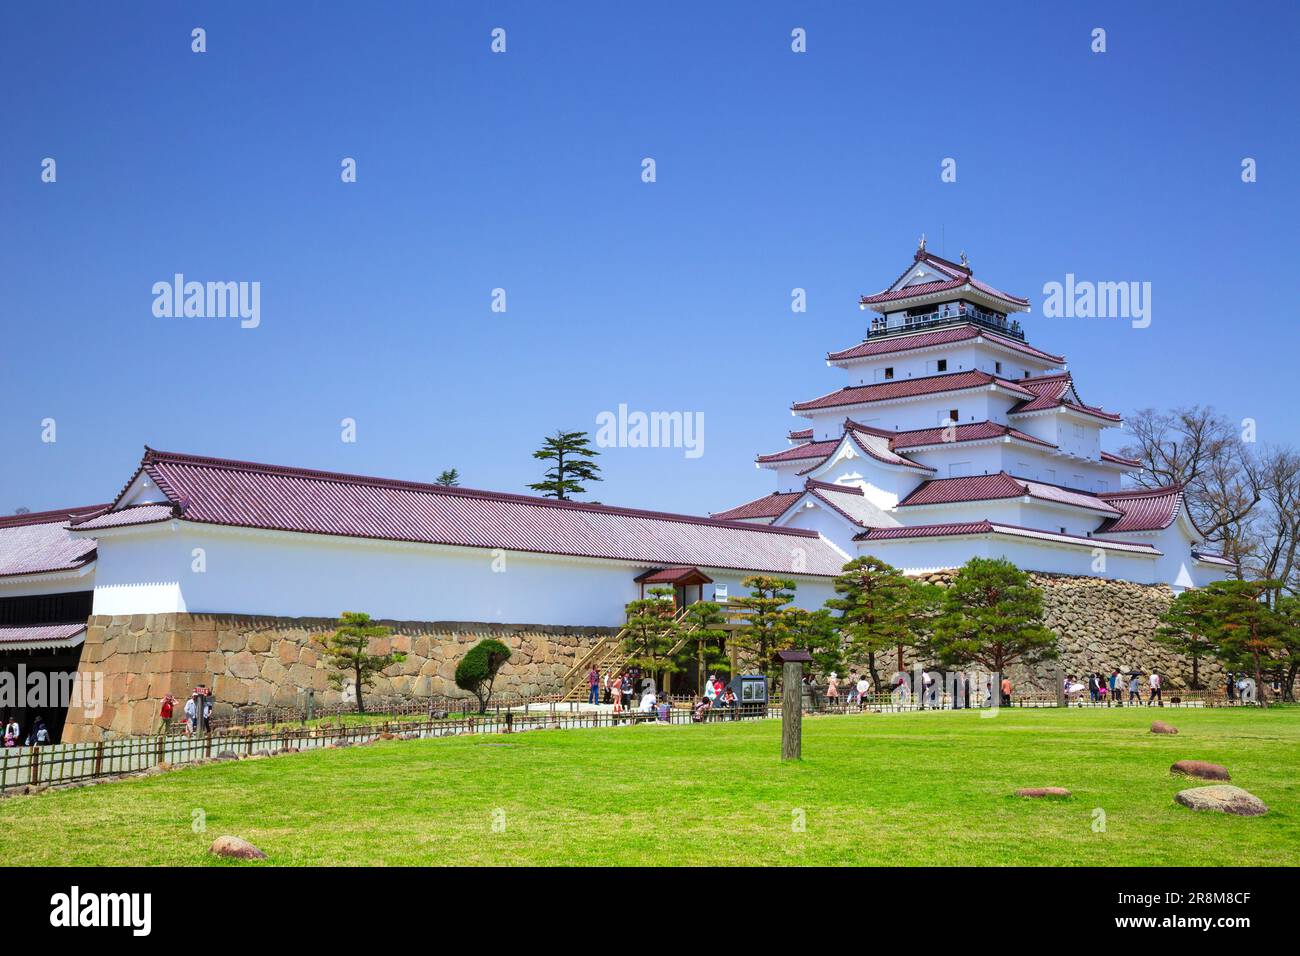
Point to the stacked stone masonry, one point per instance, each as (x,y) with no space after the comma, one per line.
(260,662)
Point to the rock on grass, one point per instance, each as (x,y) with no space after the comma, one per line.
(1222,799)
(1160,727)
(1042,792)
(1200,768)
(235,848)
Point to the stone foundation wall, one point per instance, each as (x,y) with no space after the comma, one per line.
(259,661)
(1102,625)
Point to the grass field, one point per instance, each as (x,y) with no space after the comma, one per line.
(928,788)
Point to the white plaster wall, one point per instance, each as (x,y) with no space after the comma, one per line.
(936,554)
(310,576)
(960,358)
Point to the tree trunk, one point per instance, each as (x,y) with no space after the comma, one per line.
(361,704)
(1196,673)
(871,669)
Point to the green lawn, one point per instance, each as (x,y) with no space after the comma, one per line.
(929,788)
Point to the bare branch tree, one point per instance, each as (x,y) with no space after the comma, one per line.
(1201,450)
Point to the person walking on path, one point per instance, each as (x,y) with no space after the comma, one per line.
(1134,688)
(862,688)
(593,686)
(832,690)
(1006,692)
(1116,687)
(1155,690)
(616,690)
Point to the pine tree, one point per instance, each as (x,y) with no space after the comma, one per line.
(767,628)
(881,609)
(348,650)
(450,478)
(651,632)
(571,453)
(992,616)
(1245,632)
(1185,628)
(702,627)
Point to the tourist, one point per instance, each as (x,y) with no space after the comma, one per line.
(701,710)
(1101,690)
(665,711)
(1116,685)
(718,688)
(730,702)
(629,691)
(1006,691)
(710,691)
(1155,689)
(853,687)
(593,686)
(616,691)
(1134,688)
(12,733)
(605,686)
(191,714)
(832,690)
(1232,686)
(862,687)
(648,701)
(1093,687)
(165,712)
(38,734)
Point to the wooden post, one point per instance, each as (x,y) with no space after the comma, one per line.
(791,702)
(1060,686)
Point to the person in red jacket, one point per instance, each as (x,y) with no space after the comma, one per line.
(165,712)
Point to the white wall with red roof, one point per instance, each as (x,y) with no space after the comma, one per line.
(151,570)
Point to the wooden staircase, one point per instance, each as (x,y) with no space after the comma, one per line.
(608,655)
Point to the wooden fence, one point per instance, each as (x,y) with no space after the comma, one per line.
(57,764)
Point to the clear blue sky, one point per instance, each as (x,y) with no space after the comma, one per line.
(522,171)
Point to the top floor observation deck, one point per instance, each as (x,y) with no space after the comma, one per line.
(943,316)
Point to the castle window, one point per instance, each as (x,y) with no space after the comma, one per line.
(889,371)
(997,367)
(942,365)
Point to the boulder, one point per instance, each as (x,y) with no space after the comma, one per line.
(1223,799)
(1160,727)
(226,755)
(235,848)
(1200,768)
(1042,792)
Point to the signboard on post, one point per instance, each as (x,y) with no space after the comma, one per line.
(792,663)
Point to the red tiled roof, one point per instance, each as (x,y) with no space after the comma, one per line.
(135,514)
(674,576)
(998,486)
(39,543)
(908,388)
(803,434)
(277,498)
(1147,509)
(992,527)
(921,340)
(1052,391)
(814,449)
(976,431)
(1120,459)
(1212,558)
(926,530)
(32,637)
(958,275)
(769,506)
